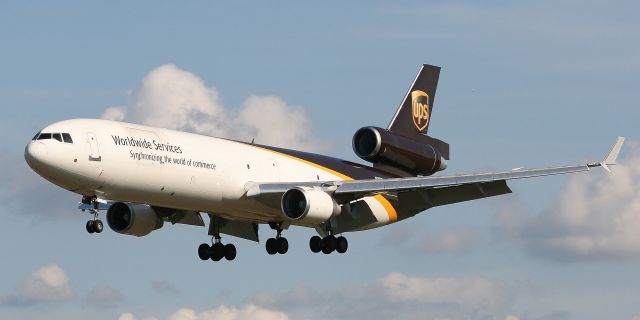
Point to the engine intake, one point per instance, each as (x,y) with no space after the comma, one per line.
(133,219)
(308,205)
(380,146)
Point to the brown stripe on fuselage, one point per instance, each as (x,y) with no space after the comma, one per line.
(350,169)
(344,169)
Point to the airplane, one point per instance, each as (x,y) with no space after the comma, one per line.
(144,177)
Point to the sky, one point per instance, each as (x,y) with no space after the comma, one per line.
(523,84)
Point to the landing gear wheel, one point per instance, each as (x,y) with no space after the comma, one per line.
(217,251)
(272,246)
(283,245)
(328,244)
(342,244)
(314,244)
(229,252)
(90,226)
(203,251)
(98,226)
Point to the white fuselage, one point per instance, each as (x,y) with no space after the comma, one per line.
(173,169)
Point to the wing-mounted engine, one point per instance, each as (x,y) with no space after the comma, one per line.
(385,148)
(310,206)
(133,219)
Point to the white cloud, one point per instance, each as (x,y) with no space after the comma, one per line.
(131,316)
(597,216)
(247,312)
(396,296)
(114,113)
(284,125)
(393,296)
(173,98)
(127,316)
(47,284)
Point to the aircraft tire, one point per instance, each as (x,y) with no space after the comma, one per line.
(203,251)
(283,245)
(230,252)
(342,244)
(90,227)
(314,244)
(98,226)
(217,251)
(328,244)
(271,246)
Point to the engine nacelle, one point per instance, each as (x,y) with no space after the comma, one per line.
(309,205)
(380,146)
(133,219)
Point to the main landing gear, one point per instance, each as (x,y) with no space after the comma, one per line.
(216,251)
(328,244)
(279,244)
(95,225)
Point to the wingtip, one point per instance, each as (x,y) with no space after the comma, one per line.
(612,156)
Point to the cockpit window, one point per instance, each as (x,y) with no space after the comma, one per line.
(36,136)
(67,138)
(62,137)
(44,136)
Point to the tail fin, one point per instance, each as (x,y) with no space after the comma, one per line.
(413,115)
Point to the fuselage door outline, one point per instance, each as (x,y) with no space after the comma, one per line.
(94,154)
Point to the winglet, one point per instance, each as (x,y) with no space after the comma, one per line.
(611,158)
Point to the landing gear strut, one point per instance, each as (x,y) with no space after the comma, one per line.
(217,250)
(95,225)
(279,244)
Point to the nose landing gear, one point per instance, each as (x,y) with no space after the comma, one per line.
(95,225)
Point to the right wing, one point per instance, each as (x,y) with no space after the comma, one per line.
(354,189)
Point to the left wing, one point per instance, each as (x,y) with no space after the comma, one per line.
(353,189)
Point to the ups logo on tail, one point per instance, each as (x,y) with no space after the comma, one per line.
(420,108)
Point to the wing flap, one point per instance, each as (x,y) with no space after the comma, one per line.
(402,184)
(419,200)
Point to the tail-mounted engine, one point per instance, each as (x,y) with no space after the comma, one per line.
(133,219)
(382,147)
(311,206)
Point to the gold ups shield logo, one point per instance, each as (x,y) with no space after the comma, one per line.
(420,108)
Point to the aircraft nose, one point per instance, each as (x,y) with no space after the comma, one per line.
(35,153)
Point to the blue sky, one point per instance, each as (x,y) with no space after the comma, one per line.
(522,84)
